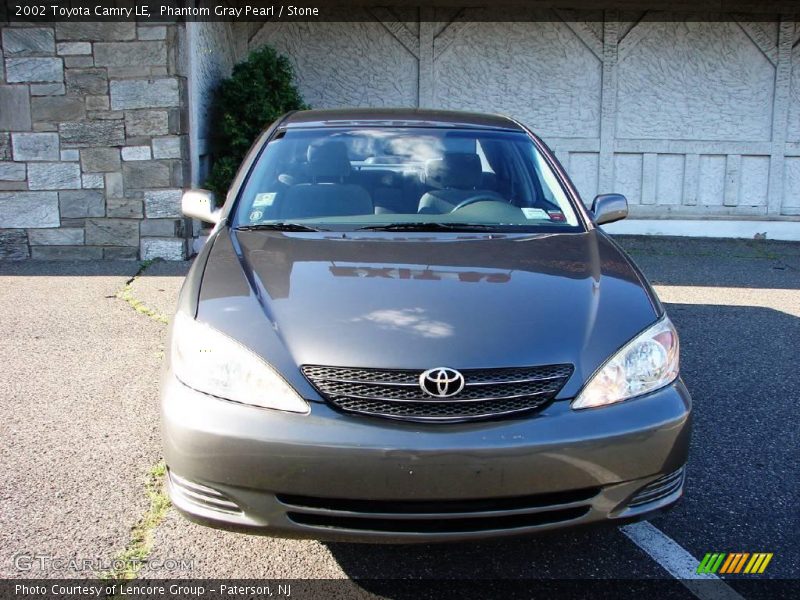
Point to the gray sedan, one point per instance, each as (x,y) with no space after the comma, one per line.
(405,326)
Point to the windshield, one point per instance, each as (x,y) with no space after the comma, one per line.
(404,179)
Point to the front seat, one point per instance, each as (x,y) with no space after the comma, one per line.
(455,177)
(327,195)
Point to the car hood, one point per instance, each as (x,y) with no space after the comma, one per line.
(422,300)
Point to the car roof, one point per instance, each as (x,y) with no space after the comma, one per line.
(397,117)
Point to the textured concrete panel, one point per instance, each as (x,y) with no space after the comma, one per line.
(628,176)
(346,64)
(669,178)
(711,180)
(793,130)
(754,181)
(791,185)
(583,170)
(213,58)
(695,80)
(29,209)
(538,72)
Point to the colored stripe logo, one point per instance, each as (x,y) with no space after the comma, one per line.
(727,563)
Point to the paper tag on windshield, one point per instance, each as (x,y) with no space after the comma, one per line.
(264,199)
(535,213)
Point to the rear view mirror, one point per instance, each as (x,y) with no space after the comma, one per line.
(199,204)
(608,208)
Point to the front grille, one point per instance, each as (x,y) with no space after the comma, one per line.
(658,489)
(439,516)
(397,393)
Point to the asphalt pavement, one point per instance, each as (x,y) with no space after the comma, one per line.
(81,354)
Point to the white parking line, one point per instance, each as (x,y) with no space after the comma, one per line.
(678,562)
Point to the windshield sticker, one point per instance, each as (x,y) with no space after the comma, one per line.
(264,199)
(535,213)
(256,215)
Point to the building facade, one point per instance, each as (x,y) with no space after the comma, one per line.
(695,118)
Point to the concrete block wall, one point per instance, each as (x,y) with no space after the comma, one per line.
(93,142)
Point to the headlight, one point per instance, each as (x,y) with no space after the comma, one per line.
(211,362)
(648,362)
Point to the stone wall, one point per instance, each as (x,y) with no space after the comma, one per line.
(93,144)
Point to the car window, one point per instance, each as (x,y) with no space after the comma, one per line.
(346,178)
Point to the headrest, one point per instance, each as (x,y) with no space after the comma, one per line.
(459,170)
(328,159)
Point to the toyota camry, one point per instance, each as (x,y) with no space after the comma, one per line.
(406,326)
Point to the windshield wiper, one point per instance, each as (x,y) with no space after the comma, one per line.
(278,227)
(429,227)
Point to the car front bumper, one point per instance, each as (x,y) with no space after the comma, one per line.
(332,476)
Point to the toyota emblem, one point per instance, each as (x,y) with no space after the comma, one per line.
(441,382)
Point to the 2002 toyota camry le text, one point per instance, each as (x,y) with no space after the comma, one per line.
(405,326)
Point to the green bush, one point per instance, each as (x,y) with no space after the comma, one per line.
(258,91)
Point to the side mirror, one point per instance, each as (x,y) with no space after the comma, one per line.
(199,204)
(608,208)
